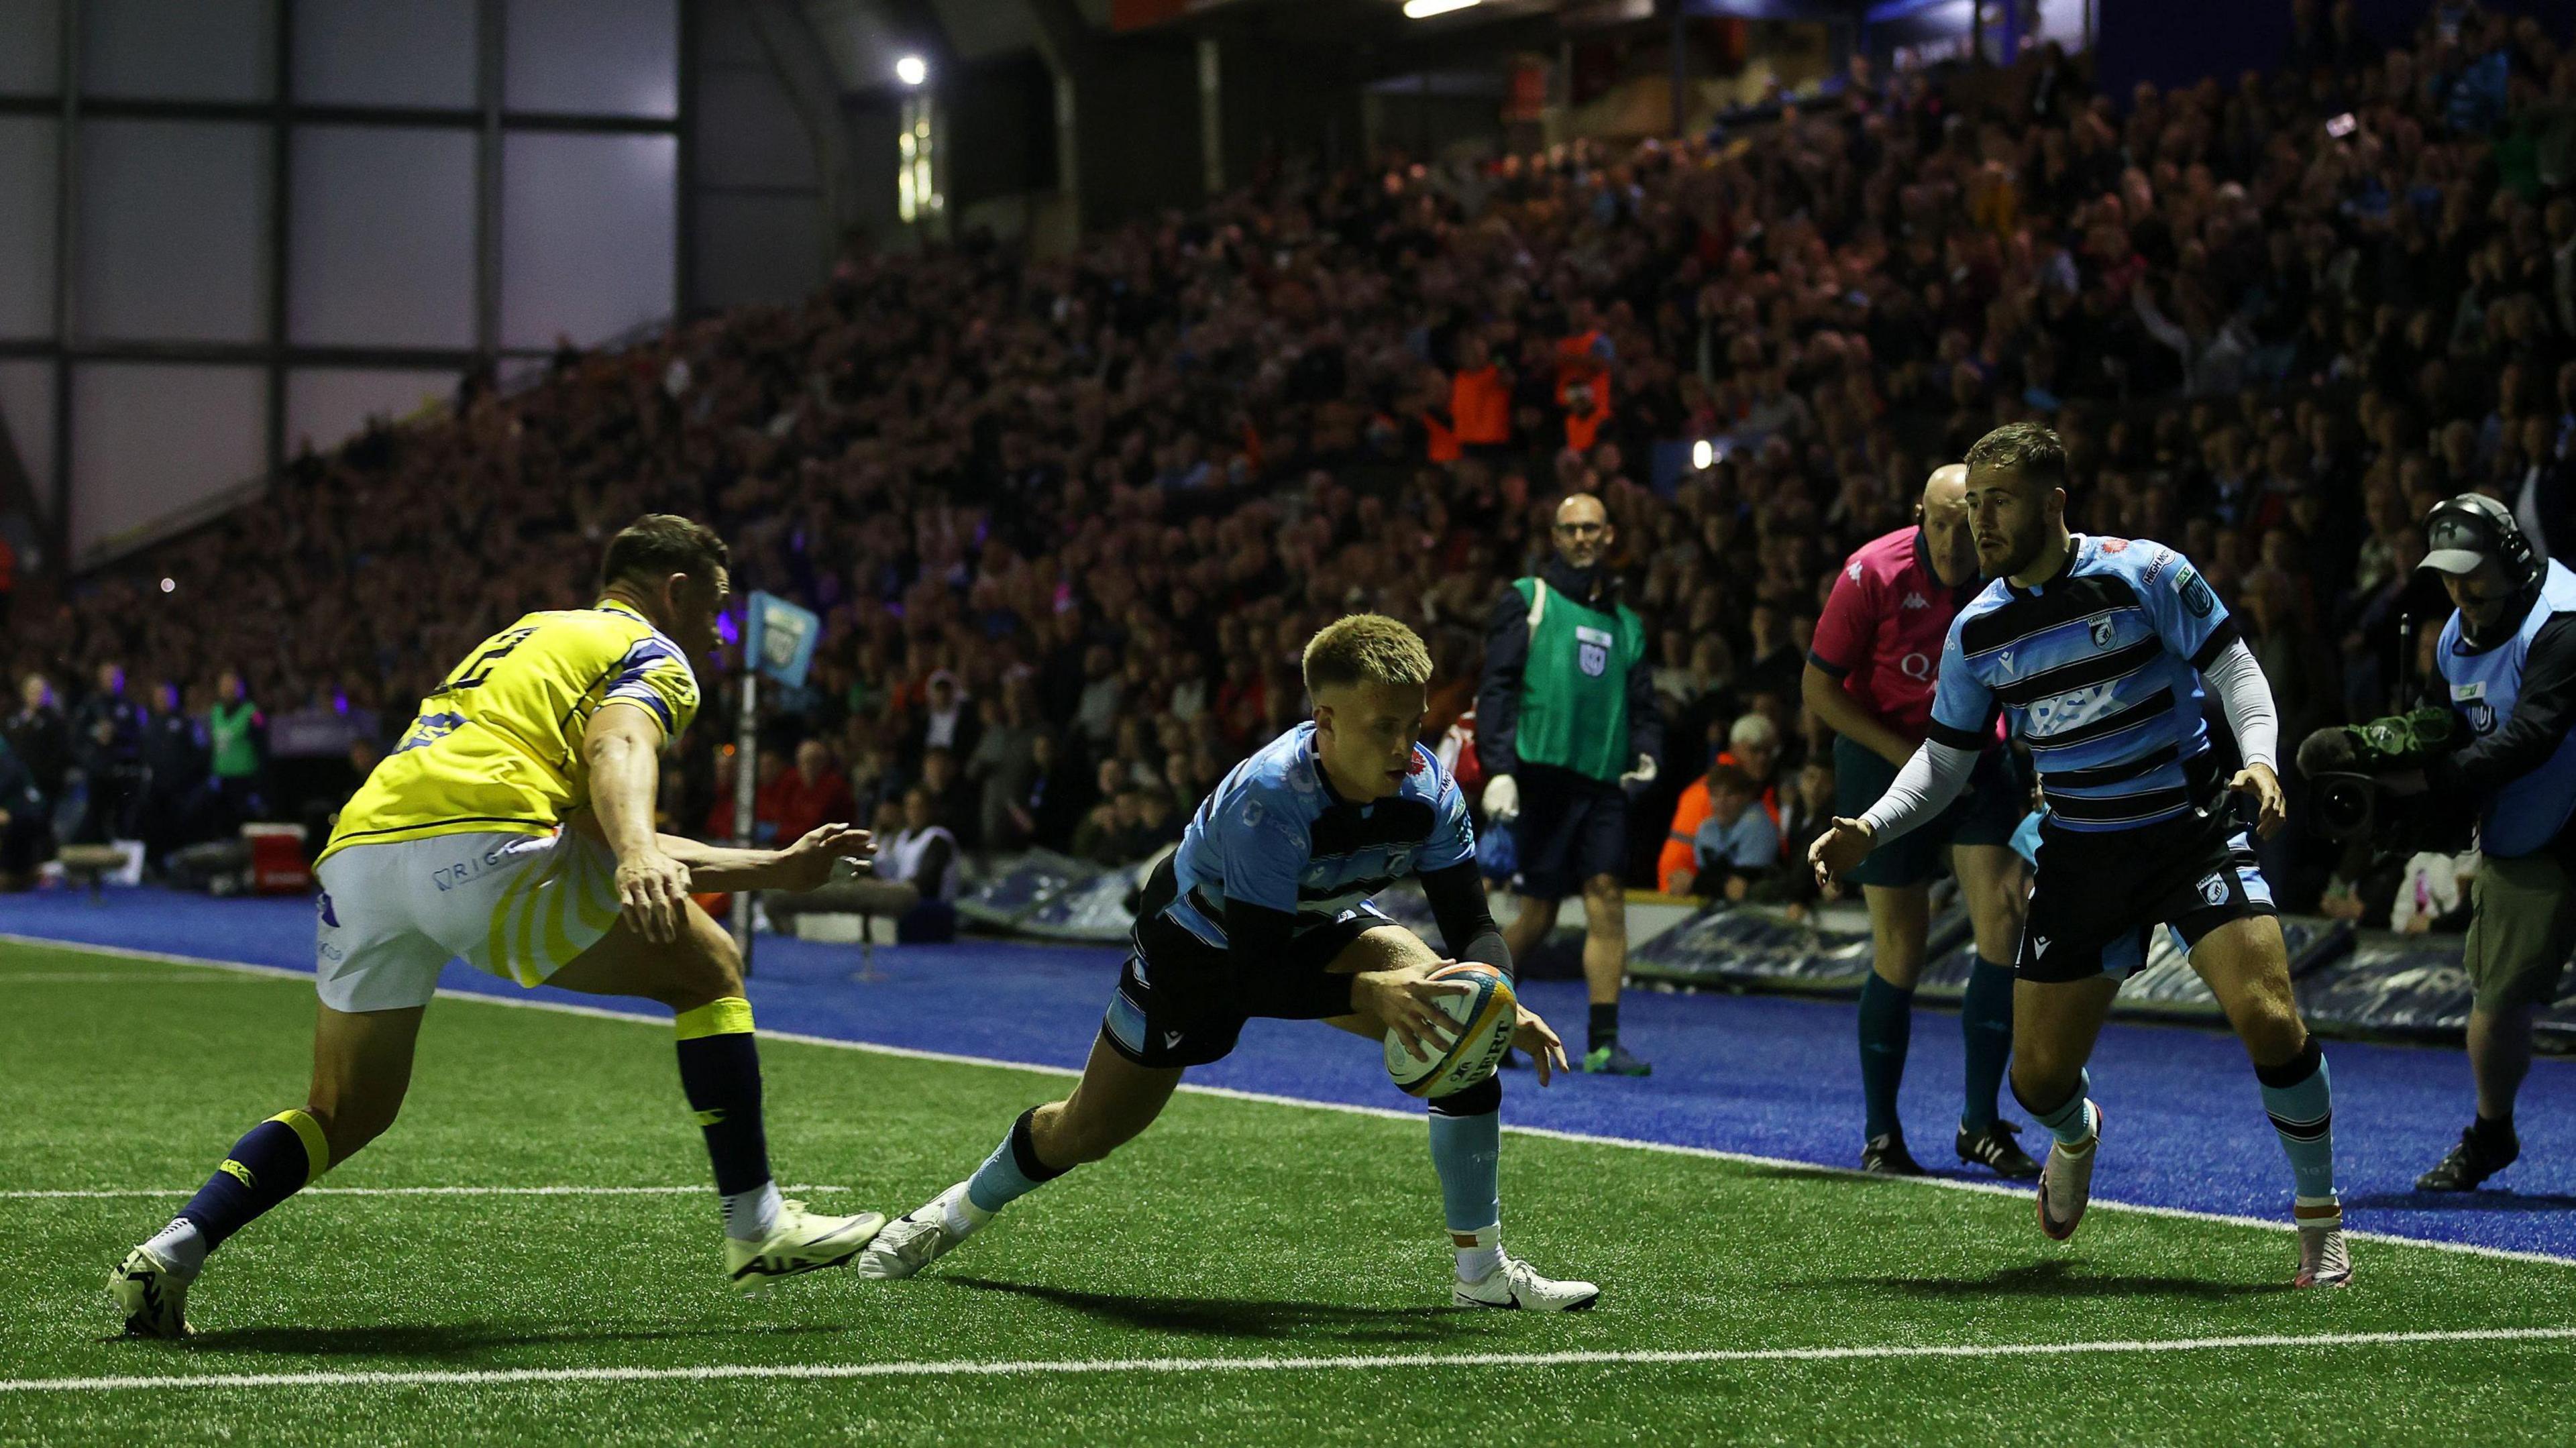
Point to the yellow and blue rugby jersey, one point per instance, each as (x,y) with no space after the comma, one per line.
(497,747)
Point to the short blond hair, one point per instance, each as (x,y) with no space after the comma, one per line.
(1365,648)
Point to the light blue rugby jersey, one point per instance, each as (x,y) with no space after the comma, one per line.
(1275,834)
(2098,671)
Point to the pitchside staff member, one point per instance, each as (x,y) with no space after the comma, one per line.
(1869,677)
(1565,718)
(2508,657)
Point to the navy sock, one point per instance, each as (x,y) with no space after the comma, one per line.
(720,1072)
(1603,1029)
(1986,1021)
(272,1162)
(1886,1028)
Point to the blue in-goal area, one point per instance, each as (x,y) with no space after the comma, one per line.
(1769,1076)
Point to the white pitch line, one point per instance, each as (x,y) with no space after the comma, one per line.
(547,1191)
(115,977)
(1375,1362)
(1666,1148)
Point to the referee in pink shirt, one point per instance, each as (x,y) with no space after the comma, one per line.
(1869,677)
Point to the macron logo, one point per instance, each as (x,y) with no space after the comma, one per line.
(2038,946)
(1171,1039)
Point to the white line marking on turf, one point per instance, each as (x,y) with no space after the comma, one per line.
(478,1377)
(1706,1153)
(548,1191)
(117,977)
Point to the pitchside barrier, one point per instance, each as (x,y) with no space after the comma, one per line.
(2349,983)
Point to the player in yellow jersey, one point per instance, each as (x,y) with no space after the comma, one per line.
(513,826)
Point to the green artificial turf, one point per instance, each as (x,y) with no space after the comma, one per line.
(1233,1230)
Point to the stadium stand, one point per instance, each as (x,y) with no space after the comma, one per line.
(1107,497)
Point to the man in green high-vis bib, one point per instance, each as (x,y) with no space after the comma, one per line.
(1566,719)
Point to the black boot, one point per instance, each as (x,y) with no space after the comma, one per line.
(1885,1155)
(2477,1157)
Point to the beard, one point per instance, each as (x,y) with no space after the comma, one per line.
(2014,561)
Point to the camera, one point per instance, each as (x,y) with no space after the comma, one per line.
(2397,822)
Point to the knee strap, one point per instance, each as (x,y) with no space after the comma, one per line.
(1481,1099)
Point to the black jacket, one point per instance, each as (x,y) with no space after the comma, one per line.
(1498,692)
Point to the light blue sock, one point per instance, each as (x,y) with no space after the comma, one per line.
(1466,1150)
(2069,1122)
(1012,1171)
(2299,1094)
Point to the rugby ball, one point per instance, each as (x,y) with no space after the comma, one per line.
(1484,1016)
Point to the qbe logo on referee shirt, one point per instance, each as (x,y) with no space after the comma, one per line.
(1592,650)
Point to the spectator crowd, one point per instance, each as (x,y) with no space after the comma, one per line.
(1070,521)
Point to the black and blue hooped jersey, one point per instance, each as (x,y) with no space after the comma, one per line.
(2098,672)
(1276,835)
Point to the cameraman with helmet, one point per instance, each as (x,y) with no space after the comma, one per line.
(2507,658)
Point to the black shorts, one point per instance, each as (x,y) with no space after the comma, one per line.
(1196,1024)
(2100,894)
(1571,828)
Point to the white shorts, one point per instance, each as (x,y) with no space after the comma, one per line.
(518,906)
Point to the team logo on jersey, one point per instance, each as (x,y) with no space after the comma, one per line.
(1251,814)
(1592,650)
(2115,545)
(2471,697)
(1853,572)
(2102,632)
(2195,592)
(2213,889)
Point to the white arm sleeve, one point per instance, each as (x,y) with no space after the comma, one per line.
(2247,697)
(1931,778)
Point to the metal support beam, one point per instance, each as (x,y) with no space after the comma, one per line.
(491,54)
(66,292)
(684,211)
(1212,115)
(281,188)
(1681,67)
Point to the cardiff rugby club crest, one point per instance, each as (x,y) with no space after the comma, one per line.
(2471,698)
(2102,632)
(2213,889)
(1592,650)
